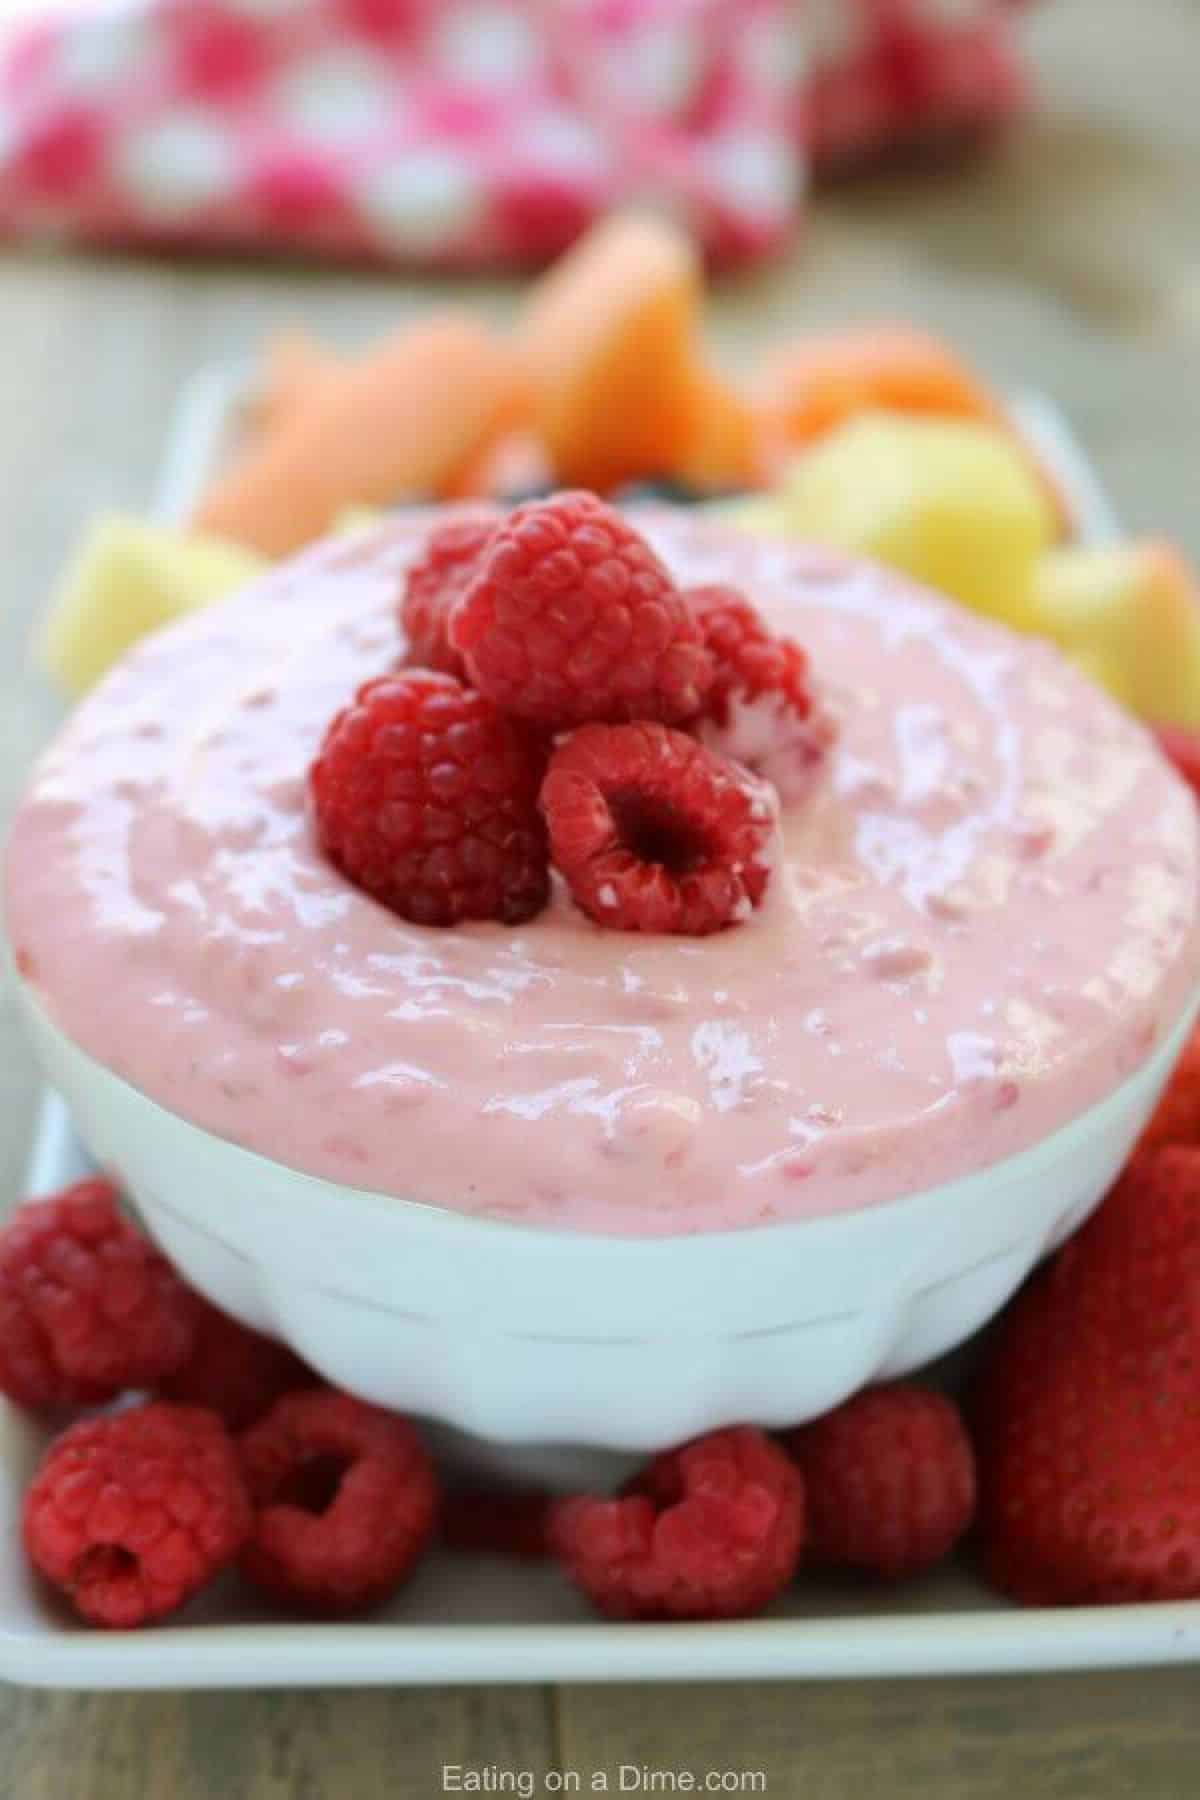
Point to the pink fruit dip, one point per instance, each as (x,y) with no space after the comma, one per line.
(981,922)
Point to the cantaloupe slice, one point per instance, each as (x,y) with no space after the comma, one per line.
(126,579)
(725,447)
(394,425)
(808,386)
(515,463)
(608,336)
(295,366)
(1129,614)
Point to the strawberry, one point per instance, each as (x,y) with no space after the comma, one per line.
(1088,1410)
(1176,1118)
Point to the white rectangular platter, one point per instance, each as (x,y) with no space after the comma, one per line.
(481,1619)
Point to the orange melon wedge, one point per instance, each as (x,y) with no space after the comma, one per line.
(608,338)
(294,367)
(809,386)
(514,463)
(395,424)
(725,443)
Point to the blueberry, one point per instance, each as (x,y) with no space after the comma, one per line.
(668,489)
(533,490)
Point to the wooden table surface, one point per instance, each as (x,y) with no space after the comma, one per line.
(1070,258)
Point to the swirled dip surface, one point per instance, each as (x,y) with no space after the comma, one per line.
(980,925)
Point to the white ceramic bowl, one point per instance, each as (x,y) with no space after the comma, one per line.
(538,1337)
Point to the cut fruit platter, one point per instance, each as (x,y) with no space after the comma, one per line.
(483,1619)
(878,443)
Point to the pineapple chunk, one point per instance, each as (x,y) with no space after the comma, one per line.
(764,514)
(951,502)
(1129,615)
(354,519)
(126,579)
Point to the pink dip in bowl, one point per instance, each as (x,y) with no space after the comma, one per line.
(982,922)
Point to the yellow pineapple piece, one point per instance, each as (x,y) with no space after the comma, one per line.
(1129,615)
(126,579)
(354,519)
(767,514)
(951,502)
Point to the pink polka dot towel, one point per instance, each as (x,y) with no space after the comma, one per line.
(462,132)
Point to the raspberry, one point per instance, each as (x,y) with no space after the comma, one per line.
(1182,748)
(88,1306)
(426,796)
(654,832)
(890,1480)
(233,1371)
(500,1522)
(761,708)
(439,577)
(132,1514)
(713,1530)
(344,1500)
(571,618)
